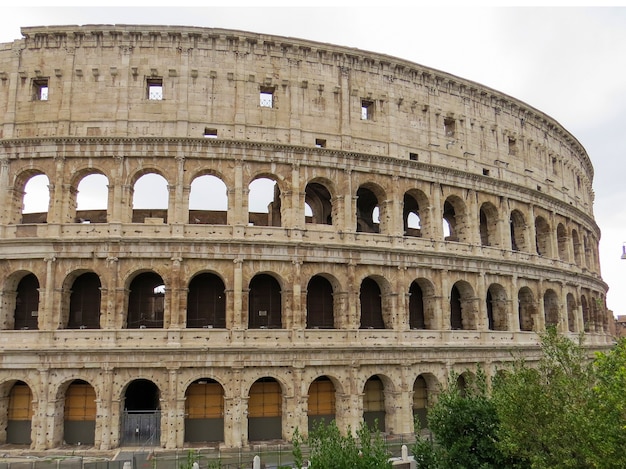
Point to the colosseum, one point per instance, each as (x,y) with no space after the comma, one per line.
(240,234)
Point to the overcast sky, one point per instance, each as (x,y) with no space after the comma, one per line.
(567,62)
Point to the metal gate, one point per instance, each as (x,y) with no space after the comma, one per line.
(141,428)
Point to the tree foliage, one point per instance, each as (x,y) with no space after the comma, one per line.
(465,424)
(566,410)
(329,449)
(563,413)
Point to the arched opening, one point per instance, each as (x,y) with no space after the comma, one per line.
(150,199)
(577,248)
(417,318)
(571,313)
(20,414)
(411,216)
(488,225)
(542,238)
(420,401)
(204,411)
(208,201)
(518,231)
(85,302)
(551,308)
(146,301)
(79,421)
(456,316)
(562,242)
(371,305)
(374,414)
(206,302)
(92,199)
(586,316)
(455,219)
(527,309)
(36,200)
(318,199)
(319,304)
(27,303)
(321,402)
(462,307)
(264,304)
(265,410)
(141,419)
(264,203)
(497,308)
(366,220)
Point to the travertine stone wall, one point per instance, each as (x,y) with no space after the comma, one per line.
(340,118)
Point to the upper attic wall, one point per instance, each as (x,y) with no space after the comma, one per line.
(409,95)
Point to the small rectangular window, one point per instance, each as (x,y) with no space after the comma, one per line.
(320,143)
(413,156)
(266,97)
(367,109)
(485,172)
(40,89)
(210,133)
(449,126)
(155,89)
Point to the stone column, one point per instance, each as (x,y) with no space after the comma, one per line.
(174,315)
(434,230)
(174,420)
(39,422)
(298,305)
(49,316)
(104,415)
(236,319)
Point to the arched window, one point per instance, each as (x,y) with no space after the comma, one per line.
(92,199)
(416,307)
(497,308)
(265,410)
(20,414)
(455,219)
(542,238)
(85,302)
(146,302)
(518,231)
(371,305)
(571,313)
(527,309)
(420,401)
(551,308)
(27,303)
(264,203)
(204,411)
(206,302)
(150,199)
(488,225)
(208,201)
(562,242)
(374,413)
(367,211)
(79,426)
(317,198)
(36,200)
(264,305)
(319,304)
(321,401)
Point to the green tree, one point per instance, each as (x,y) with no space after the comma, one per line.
(329,449)
(555,414)
(465,426)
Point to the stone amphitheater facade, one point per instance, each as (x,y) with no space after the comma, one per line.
(417,224)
